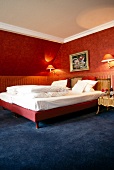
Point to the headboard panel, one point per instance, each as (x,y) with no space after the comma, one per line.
(74,80)
(101,84)
(6,81)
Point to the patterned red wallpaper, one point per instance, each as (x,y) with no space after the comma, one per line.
(97,44)
(23,55)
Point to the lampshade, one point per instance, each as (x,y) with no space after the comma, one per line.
(50,67)
(107,58)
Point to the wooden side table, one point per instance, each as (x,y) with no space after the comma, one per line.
(105,101)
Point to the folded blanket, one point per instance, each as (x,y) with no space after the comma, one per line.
(35,91)
(34,88)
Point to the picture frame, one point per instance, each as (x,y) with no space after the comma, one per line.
(79,61)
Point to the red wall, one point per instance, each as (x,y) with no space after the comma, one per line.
(97,44)
(23,55)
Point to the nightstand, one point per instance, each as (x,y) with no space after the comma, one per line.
(105,101)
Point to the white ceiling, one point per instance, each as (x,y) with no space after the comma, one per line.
(58,18)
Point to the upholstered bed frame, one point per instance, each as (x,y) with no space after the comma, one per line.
(37,116)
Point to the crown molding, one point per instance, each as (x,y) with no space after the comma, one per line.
(35,34)
(90,31)
(24,31)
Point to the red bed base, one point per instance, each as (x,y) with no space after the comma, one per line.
(37,116)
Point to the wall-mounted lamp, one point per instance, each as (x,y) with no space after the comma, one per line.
(50,67)
(108,58)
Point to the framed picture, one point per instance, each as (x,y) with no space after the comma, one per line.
(79,61)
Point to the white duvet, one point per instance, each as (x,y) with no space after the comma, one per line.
(37,104)
(25,89)
(37,91)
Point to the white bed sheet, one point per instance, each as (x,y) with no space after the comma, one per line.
(38,104)
(6,97)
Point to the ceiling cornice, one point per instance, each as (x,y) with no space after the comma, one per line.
(23,31)
(90,31)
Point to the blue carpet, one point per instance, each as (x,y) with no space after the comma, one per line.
(72,142)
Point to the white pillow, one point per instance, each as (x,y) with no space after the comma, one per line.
(88,88)
(90,85)
(62,83)
(91,82)
(79,86)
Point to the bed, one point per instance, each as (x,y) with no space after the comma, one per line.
(38,109)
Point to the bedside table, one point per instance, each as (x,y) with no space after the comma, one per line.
(105,101)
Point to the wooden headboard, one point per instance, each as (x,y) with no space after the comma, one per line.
(6,81)
(101,84)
